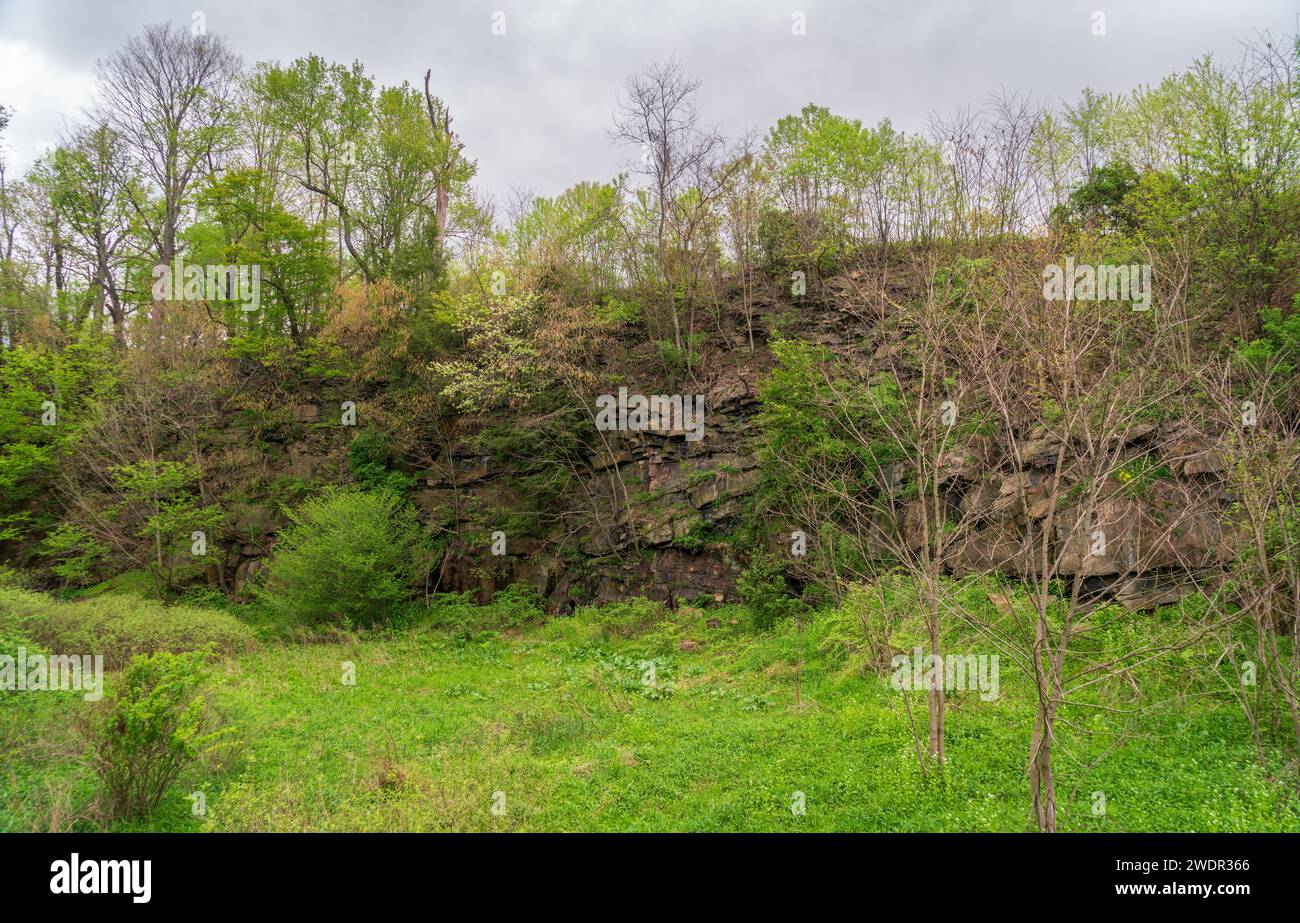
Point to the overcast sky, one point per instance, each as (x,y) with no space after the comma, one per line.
(534,105)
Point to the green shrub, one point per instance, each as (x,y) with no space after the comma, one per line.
(516,605)
(762,588)
(1138,476)
(695,538)
(151,727)
(348,556)
(702,476)
(677,359)
(1278,342)
(625,619)
(618,311)
(135,582)
(13,578)
(543,454)
(119,626)
(371,460)
(74,553)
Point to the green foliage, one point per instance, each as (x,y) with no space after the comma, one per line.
(167,512)
(825,166)
(519,603)
(785,245)
(514,606)
(499,363)
(803,419)
(570,244)
(371,460)
(544,453)
(135,582)
(564,702)
(75,552)
(631,674)
(1102,200)
(374,156)
(700,476)
(1138,475)
(762,587)
(618,311)
(119,626)
(695,538)
(293,258)
(626,619)
(349,557)
(43,396)
(677,359)
(813,422)
(338,198)
(1278,348)
(13,579)
(153,726)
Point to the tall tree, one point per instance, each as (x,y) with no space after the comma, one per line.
(657,114)
(168,94)
(91,173)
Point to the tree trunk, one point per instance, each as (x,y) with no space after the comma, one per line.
(938,703)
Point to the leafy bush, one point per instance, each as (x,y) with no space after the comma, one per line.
(119,626)
(163,509)
(544,454)
(516,605)
(75,554)
(1279,341)
(349,556)
(625,619)
(1138,476)
(151,727)
(12,578)
(762,588)
(30,376)
(371,460)
(677,359)
(695,538)
(618,311)
(631,675)
(1102,201)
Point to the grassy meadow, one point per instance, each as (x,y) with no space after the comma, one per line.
(630,717)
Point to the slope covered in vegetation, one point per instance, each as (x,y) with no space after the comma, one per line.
(1027,380)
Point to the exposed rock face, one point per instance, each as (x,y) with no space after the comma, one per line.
(652,498)
(1140,547)
(659,495)
(645,509)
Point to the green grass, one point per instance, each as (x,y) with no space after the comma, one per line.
(554,714)
(118,626)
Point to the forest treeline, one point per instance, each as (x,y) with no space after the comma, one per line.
(330,183)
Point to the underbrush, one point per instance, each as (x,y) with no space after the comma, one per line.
(119,626)
(458,613)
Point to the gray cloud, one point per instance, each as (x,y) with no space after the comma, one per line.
(534,105)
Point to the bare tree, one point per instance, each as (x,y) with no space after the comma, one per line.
(744,205)
(657,114)
(448,148)
(1252,437)
(1074,387)
(1011,121)
(167,95)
